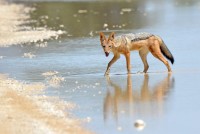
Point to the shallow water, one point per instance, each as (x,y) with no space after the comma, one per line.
(166,103)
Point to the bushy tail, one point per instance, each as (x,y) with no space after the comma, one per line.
(165,51)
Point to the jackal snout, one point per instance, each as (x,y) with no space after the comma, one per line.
(107,54)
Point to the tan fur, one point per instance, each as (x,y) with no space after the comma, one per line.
(152,44)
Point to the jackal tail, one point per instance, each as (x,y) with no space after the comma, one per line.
(165,51)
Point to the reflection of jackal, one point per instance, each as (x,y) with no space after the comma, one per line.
(146,99)
(143,42)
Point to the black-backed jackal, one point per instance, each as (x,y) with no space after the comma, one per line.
(143,42)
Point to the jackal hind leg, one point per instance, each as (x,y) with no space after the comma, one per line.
(114,59)
(161,58)
(143,55)
(157,53)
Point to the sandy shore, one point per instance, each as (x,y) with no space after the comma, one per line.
(24,110)
(14,28)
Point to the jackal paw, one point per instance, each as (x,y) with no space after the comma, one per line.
(129,72)
(140,72)
(106,73)
(170,72)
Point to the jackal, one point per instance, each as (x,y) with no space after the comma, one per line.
(143,42)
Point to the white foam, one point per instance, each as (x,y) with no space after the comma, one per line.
(29,55)
(53,79)
(50,73)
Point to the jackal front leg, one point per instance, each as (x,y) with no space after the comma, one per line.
(143,55)
(114,59)
(128,64)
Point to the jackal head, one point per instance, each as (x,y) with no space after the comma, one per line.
(107,44)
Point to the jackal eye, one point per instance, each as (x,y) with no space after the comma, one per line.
(104,46)
(110,46)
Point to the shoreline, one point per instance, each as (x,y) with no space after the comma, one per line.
(24,110)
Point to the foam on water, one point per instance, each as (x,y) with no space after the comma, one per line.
(14,29)
(29,55)
(53,79)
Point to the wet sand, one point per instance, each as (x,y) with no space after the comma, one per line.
(23,109)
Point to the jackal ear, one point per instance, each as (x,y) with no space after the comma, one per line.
(112,36)
(102,36)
